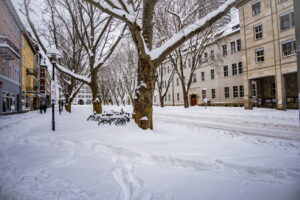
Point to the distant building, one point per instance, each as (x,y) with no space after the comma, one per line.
(10,58)
(30,73)
(269,53)
(219,82)
(45,83)
(84,96)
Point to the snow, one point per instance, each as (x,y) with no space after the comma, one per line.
(69,72)
(53,51)
(96,100)
(217,153)
(145,118)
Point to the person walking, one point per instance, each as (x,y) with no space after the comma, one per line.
(41,108)
(45,108)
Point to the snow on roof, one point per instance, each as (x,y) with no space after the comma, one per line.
(233,25)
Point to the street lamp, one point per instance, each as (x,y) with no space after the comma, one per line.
(53,54)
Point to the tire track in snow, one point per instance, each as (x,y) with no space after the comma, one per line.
(234,129)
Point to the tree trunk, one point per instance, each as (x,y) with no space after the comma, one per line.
(186,99)
(68,106)
(97,108)
(144,93)
(162,102)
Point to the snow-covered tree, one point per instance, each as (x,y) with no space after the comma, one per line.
(138,15)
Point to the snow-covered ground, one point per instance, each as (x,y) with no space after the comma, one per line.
(196,153)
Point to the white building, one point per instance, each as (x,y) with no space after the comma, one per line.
(84,96)
(220,82)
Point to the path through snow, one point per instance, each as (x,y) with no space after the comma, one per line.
(218,153)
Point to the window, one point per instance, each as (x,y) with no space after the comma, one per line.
(234,69)
(212,74)
(239,45)
(225,70)
(205,55)
(226,92)
(273,91)
(258,33)
(281,1)
(213,93)
(177,96)
(235,91)
(169,97)
(260,55)
(241,91)
(240,67)
(233,49)
(194,78)
(177,81)
(288,48)
(253,87)
(255,8)
(212,54)
(287,20)
(203,94)
(202,76)
(224,48)
(165,97)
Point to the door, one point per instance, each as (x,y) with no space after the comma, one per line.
(193,100)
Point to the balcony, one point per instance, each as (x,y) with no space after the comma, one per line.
(8,50)
(30,71)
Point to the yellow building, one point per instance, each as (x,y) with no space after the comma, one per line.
(30,85)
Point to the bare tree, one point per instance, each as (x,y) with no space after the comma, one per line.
(138,15)
(165,75)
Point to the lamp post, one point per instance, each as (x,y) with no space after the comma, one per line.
(53,55)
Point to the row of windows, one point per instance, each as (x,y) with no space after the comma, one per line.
(237,68)
(238,91)
(256,7)
(288,48)
(234,47)
(10,71)
(286,22)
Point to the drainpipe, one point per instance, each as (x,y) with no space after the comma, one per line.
(297,33)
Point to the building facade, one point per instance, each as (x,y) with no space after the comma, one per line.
(45,83)
(10,58)
(269,53)
(84,96)
(219,82)
(30,73)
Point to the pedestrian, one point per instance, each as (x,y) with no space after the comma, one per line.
(41,108)
(45,108)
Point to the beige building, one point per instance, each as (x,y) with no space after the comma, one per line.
(268,53)
(220,81)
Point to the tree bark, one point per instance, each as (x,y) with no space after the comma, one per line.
(68,106)
(186,99)
(162,102)
(143,102)
(97,108)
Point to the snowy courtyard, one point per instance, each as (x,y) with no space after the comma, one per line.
(192,154)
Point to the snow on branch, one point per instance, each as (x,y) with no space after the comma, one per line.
(112,10)
(191,30)
(72,74)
